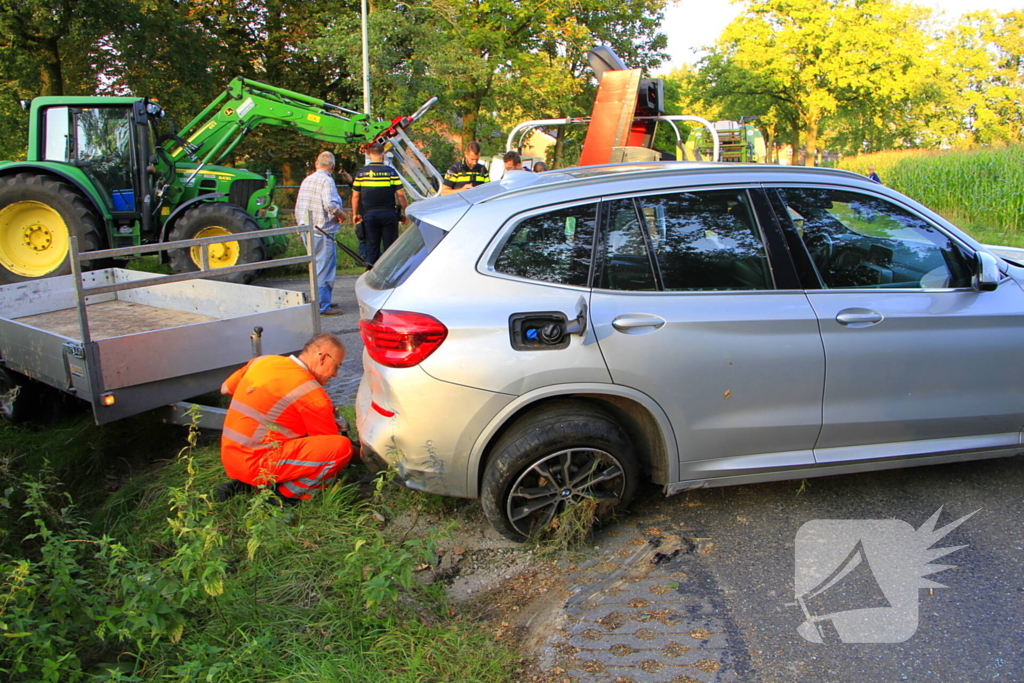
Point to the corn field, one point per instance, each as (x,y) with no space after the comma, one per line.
(980,188)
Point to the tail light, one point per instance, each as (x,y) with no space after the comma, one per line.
(399,339)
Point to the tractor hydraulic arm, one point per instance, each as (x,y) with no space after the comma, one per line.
(245,104)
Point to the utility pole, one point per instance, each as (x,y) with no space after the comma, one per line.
(366,57)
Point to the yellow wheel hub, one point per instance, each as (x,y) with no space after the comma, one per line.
(221,255)
(33,239)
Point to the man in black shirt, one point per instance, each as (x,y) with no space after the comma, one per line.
(378,202)
(466,173)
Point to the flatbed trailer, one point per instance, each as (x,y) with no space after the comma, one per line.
(128,342)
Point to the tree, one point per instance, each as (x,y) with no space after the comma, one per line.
(985,53)
(808,60)
(492,62)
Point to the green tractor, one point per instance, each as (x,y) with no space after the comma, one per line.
(98,169)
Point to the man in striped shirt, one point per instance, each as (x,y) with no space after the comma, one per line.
(320,204)
(467,173)
(378,202)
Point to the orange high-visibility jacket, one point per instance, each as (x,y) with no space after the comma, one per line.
(274,399)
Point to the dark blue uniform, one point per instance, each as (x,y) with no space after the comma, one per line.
(460,175)
(377,184)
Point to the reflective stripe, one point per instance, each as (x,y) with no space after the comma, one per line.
(320,478)
(376,183)
(291,487)
(240,439)
(261,419)
(256,441)
(282,404)
(303,463)
(247,410)
(292,396)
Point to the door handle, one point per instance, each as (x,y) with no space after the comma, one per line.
(859,317)
(627,323)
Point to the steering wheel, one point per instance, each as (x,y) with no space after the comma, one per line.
(822,247)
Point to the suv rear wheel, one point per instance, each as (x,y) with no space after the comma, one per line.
(548,460)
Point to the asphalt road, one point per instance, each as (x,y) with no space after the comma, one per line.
(729,558)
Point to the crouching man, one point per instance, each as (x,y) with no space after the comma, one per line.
(280,428)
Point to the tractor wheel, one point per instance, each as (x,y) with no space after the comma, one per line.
(210,220)
(38,216)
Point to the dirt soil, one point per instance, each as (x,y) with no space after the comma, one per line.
(514,590)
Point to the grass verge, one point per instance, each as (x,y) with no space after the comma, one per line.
(164,584)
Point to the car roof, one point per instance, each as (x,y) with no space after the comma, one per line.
(529,183)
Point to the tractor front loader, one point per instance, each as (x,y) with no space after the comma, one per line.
(97,168)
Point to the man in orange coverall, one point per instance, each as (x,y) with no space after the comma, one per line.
(280,429)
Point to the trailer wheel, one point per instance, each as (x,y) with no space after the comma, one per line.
(38,216)
(19,398)
(211,220)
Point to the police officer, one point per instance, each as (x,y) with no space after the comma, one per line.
(466,173)
(378,202)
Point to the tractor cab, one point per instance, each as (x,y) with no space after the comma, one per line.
(110,143)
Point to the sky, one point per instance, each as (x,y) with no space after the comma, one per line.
(691,24)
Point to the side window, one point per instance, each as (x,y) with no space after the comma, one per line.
(626,264)
(57,144)
(861,241)
(551,247)
(706,241)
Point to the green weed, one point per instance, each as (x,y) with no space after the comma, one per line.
(175,587)
(570,530)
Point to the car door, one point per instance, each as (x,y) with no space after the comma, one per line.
(917,360)
(686,310)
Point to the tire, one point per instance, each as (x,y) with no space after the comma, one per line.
(19,397)
(38,216)
(211,219)
(570,434)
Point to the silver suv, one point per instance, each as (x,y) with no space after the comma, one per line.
(555,336)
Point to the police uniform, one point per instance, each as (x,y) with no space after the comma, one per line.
(459,175)
(377,184)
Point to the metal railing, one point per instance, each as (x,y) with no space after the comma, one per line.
(81,291)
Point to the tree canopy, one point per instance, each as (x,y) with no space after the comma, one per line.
(843,75)
(863,75)
(490,62)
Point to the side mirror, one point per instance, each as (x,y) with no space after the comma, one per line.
(986,272)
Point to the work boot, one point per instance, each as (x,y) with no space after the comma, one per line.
(281,500)
(333,309)
(232,488)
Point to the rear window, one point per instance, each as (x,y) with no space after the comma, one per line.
(405,255)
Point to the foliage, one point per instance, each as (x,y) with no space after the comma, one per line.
(491,63)
(985,53)
(570,530)
(179,588)
(976,187)
(799,62)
